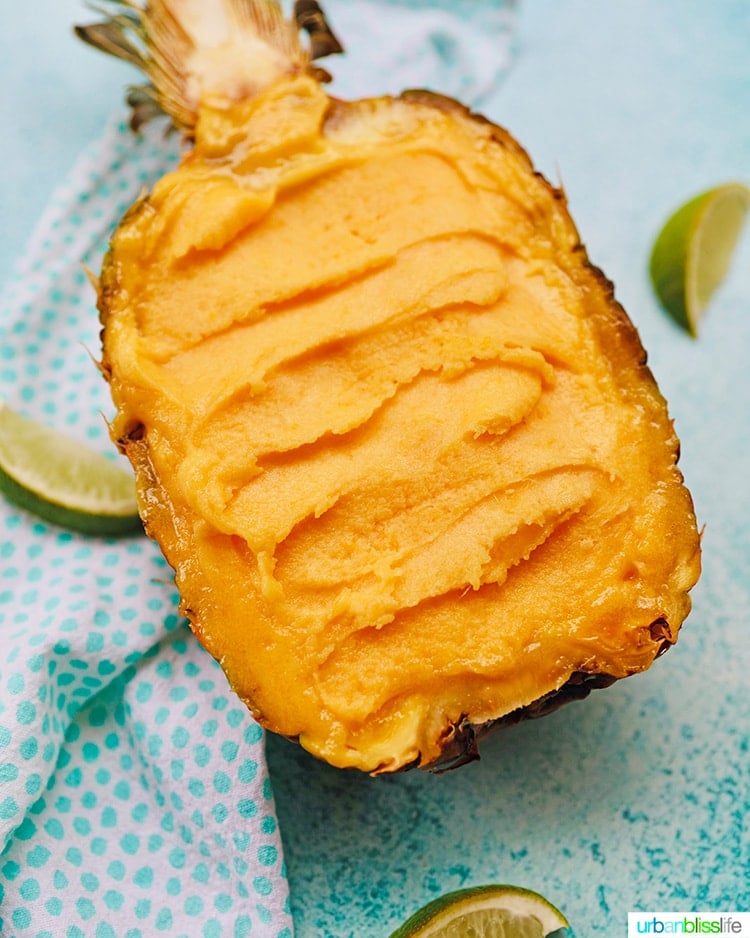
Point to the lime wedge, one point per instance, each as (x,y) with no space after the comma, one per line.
(692,254)
(62,481)
(486,912)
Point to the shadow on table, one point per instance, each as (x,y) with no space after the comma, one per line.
(363,853)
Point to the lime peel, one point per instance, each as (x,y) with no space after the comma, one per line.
(62,481)
(493,911)
(693,251)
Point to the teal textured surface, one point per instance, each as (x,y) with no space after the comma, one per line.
(638,798)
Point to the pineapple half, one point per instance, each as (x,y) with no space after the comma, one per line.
(389,425)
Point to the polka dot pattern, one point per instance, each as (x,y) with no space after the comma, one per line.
(134,794)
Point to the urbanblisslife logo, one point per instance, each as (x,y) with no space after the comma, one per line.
(734,924)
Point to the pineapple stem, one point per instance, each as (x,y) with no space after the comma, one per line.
(191,50)
(310,17)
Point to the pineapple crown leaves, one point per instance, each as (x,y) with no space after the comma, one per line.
(187,48)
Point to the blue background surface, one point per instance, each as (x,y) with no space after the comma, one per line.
(638,798)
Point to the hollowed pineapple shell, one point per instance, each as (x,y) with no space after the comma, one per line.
(390,427)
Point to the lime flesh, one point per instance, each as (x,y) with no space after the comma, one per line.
(692,253)
(61,481)
(496,911)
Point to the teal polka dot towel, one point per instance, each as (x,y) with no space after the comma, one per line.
(134,795)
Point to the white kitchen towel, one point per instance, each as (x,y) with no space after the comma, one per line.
(460,48)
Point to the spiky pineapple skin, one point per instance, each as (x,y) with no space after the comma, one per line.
(165,519)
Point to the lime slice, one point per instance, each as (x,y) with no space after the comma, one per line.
(692,254)
(62,481)
(486,912)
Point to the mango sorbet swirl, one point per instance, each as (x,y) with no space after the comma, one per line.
(361,371)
